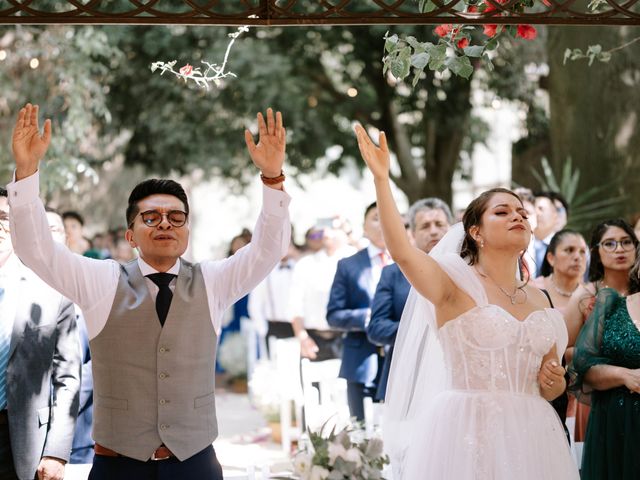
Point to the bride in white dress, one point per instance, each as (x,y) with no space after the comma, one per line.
(476,358)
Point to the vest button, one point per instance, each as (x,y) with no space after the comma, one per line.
(162,401)
(163,349)
(163,375)
(164,426)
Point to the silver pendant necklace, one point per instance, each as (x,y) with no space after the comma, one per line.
(513,297)
(559,291)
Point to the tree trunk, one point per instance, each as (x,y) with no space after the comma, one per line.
(594,110)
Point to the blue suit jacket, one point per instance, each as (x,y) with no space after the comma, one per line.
(348,308)
(386,311)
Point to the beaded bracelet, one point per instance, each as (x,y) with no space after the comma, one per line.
(272,180)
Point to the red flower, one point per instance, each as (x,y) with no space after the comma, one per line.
(186,70)
(490,30)
(443,30)
(463,42)
(527,32)
(547,3)
(490,5)
(474,9)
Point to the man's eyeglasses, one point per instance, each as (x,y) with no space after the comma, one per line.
(612,245)
(153,218)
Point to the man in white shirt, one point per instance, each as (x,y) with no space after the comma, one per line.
(312,279)
(269,302)
(152,323)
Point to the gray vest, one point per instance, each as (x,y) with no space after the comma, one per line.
(154,385)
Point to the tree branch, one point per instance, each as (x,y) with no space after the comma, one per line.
(403,148)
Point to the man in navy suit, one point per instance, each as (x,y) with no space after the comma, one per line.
(349,310)
(429,219)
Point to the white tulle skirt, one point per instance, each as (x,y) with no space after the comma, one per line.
(480,435)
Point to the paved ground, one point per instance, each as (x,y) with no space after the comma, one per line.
(244,442)
(245,439)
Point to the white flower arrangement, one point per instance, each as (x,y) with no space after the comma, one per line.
(264,396)
(346,455)
(232,355)
(213,73)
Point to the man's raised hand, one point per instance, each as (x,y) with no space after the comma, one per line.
(27,144)
(268,154)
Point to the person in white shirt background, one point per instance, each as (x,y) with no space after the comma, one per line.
(311,284)
(269,302)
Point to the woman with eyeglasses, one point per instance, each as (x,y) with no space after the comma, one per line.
(606,367)
(613,249)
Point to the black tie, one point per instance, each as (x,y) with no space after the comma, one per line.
(163,300)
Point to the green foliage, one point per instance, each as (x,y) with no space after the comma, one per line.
(96,84)
(455,42)
(593,53)
(408,55)
(62,69)
(587,206)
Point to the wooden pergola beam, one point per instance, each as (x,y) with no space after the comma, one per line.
(268,13)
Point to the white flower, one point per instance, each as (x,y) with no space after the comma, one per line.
(302,463)
(353,455)
(318,473)
(374,448)
(232,354)
(345,458)
(336,450)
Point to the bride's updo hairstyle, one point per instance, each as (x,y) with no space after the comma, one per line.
(473,217)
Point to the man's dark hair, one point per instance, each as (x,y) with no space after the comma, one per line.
(154,186)
(73,215)
(525,194)
(49,209)
(3,192)
(553,196)
(369,208)
(546,269)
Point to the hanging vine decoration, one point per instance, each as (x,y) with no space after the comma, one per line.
(212,74)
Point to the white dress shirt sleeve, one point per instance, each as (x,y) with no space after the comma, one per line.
(88,282)
(257,307)
(230,279)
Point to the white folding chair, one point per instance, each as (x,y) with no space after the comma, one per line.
(286,356)
(325,395)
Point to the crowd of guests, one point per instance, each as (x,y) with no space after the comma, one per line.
(342,298)
(103,245)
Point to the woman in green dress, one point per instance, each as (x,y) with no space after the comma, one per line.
(606,371)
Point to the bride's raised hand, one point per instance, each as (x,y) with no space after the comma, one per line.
(376,158)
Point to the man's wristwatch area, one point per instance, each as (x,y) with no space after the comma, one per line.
(272,180)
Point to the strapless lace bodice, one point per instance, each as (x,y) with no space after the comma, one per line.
(488,349)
